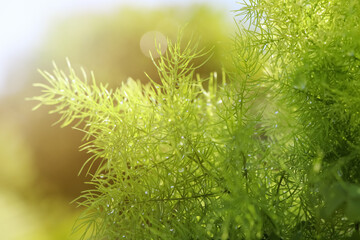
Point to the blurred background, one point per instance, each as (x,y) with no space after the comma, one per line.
(40,162)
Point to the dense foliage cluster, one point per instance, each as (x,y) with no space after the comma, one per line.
(267,150)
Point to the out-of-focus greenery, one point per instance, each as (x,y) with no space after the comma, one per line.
(25,212)
(110,44)
(38,177)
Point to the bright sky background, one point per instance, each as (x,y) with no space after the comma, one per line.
(24,22)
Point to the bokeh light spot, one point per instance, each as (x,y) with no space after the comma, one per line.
(151,42)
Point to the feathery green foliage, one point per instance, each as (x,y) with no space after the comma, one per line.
(269,150)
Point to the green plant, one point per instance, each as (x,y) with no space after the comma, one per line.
(267,151)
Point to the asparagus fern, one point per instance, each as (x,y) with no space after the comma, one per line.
(267,150)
